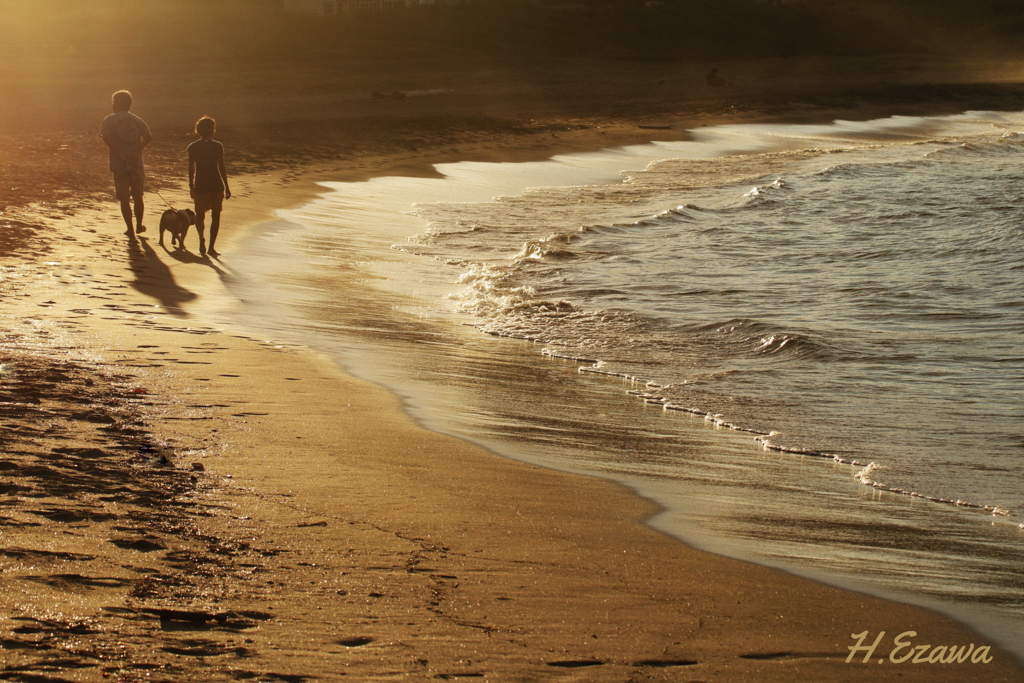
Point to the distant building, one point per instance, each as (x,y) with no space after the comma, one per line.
(564,4)
(333,7)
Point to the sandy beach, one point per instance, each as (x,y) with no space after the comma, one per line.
(188,500)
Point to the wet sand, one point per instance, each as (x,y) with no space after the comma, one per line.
(299,526)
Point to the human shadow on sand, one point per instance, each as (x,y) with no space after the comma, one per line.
(153,278)
(183,255)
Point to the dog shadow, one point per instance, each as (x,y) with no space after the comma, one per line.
(183,255)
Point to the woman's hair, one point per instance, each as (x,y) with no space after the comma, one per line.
(122,100)
(205,126)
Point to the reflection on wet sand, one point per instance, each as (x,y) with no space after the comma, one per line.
(721,490)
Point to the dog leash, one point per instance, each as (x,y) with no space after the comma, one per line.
(165,200)
(145,181)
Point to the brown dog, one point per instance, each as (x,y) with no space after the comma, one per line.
(176,222)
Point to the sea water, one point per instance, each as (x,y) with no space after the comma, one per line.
(806,343)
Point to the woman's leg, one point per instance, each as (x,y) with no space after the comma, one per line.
(201,229)
(214,229)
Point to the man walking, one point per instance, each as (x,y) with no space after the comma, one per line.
(127,135)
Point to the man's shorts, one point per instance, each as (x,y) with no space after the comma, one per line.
(129,184)
(209,201)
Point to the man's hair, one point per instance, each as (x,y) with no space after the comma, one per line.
(122,100)
(205,126)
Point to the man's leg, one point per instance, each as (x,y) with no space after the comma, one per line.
(138,188)
(140,207)
(126,213)
(123,192)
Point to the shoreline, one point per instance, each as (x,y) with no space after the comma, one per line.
(465,570)
(427,399)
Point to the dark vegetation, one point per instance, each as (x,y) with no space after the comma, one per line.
(652,30)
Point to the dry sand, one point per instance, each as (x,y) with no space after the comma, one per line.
(300,526)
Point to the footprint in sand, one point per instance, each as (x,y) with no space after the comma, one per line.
(141,545)
(355,642)
(575,663)
(665,663)
(68,581)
